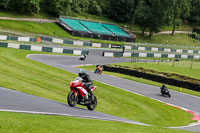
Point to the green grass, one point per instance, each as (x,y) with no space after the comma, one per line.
(145,81)
(22,74)
(18,15)
(16,122)
(183,27)
(50,29)
(181,67)
(177,39)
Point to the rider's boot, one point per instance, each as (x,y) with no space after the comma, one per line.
(92,96)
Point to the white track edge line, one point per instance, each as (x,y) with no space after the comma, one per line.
(78,116)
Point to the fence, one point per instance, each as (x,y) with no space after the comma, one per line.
(44,48)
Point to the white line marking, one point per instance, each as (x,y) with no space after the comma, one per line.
(79,116)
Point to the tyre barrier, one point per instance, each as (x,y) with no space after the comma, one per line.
(44,49)
(133,46)
(157,78)
(151,55)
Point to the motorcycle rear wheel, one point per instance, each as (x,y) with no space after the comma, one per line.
(93,104)
(72,99)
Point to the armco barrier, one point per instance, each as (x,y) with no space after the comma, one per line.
(44,48)
(169,50)
(152,55)
(85,43)
(128,47)
(157,78)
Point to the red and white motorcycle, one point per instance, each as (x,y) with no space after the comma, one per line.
(80,95)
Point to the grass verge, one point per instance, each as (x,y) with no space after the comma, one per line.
(16,122)
(18,15)
(22,74)
(52,29)
(49,29)
(179,68)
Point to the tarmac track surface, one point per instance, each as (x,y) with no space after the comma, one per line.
(19,102)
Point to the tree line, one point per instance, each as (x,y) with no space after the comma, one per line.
(150,15)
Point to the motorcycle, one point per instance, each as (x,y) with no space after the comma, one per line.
(82,57)
(165,91)
(80,95)
(98,69)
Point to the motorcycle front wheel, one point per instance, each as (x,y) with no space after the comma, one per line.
(169,95)
(93,104)
(72,99)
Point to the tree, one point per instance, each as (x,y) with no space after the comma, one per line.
(179,11)
(25,6)
(119,10)
(194,12)
(79,5)
(4,4)
(94,8)
(133,13)
(57,7)
(142,15)
(153,15)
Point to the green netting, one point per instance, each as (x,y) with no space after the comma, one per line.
(190,56)
(47,49)
(84,52)
(68,42)
(105,45)
(173,50)
(33,39)
(160,49)
(25,47)
(67,51)
(135,55)
(164,55)
(12,38)
(148,48)
(3,44)
(150,54)
(87,44)
(118,54)
(177,56)
(185,51)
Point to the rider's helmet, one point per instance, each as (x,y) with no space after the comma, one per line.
(81,73)
(163,86)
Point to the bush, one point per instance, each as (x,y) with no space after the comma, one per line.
(194,35)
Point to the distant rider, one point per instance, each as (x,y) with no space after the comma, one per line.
(163,87)
(87,82)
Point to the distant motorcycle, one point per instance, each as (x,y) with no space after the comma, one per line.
(98,69)
(80,95)
(165,91)
(83,57)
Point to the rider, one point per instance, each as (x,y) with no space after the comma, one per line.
(87,82)
(163,87)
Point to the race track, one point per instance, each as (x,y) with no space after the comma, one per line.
(13,100)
